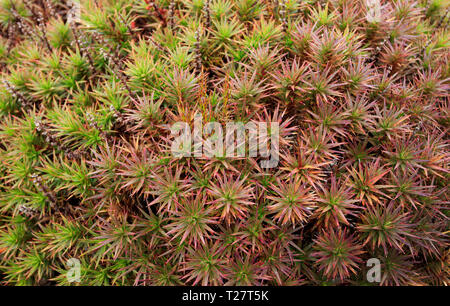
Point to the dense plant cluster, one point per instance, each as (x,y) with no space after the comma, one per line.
(87,172)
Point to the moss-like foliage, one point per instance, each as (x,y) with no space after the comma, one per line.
(90,89)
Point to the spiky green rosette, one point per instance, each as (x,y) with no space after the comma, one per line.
(360,96)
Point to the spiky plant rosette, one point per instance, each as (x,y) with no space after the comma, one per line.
(359,91)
